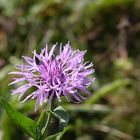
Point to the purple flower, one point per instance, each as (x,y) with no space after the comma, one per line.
(54,76)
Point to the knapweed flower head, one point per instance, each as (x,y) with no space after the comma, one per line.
(53,75)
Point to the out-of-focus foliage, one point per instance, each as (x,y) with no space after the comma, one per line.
(110,32)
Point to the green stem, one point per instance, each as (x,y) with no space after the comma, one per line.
(44,133)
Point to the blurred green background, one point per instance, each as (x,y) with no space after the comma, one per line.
(110,32)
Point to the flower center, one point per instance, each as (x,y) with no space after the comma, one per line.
(51,72)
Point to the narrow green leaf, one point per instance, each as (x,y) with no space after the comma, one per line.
(58,136)
(53,137)
(41,124)
(105,90)
(25,123)
(61,114)
(46,123)
(38,133)
(87,108)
